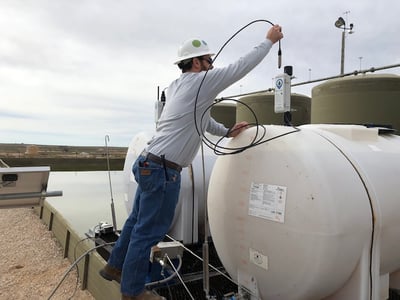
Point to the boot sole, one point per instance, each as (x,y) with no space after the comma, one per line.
(108,277)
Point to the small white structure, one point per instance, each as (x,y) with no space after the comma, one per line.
(24,186)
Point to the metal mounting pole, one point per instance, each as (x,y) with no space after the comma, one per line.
(342,53)
(107,138)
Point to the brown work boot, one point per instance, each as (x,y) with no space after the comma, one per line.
(145,295)
(110,273)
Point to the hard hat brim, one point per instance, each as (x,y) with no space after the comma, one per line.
(192,56)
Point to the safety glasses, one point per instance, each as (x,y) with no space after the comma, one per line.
(207,59)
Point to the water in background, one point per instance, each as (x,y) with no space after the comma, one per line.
(86,198)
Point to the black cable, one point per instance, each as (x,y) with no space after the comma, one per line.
(77,267)
(214,59)
(215,147)
(76,261)
(219,150)
(74,264)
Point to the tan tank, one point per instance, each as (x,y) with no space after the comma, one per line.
(32,150)
(362,99)
(263,106)
(225,113)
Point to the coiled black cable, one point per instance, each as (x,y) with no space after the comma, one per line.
(218,149)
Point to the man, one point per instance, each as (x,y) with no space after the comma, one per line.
(175,144)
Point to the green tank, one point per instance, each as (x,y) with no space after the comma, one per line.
(372,99)
(262,104)
(225,113)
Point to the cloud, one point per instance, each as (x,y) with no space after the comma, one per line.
(72,71)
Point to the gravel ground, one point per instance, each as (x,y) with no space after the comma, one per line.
(31,260)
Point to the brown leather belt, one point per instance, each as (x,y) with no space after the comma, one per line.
(159,160)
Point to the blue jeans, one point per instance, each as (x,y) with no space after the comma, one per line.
(153,211)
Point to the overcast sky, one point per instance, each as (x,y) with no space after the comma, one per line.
(73,71)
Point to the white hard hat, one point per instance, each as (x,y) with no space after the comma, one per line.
(192,48)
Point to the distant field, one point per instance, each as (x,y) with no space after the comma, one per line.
(63,158)
(68,164)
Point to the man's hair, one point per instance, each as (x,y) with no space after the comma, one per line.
(185,65)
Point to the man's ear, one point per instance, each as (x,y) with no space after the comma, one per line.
(196,64)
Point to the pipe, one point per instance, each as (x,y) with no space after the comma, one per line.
(30,195)
(356,72)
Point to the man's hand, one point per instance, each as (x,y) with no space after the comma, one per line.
(274,34)
(238,128)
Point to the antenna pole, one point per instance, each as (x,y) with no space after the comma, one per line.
(107,138)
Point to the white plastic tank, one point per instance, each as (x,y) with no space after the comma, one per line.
(188,224)
(311,214)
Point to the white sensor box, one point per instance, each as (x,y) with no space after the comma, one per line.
(282,93)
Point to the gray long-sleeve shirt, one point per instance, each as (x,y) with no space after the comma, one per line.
(176,136)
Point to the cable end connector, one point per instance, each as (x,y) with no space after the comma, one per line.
(279,58)
(172,249)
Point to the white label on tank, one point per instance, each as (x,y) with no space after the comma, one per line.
(267,201)
(258,259)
